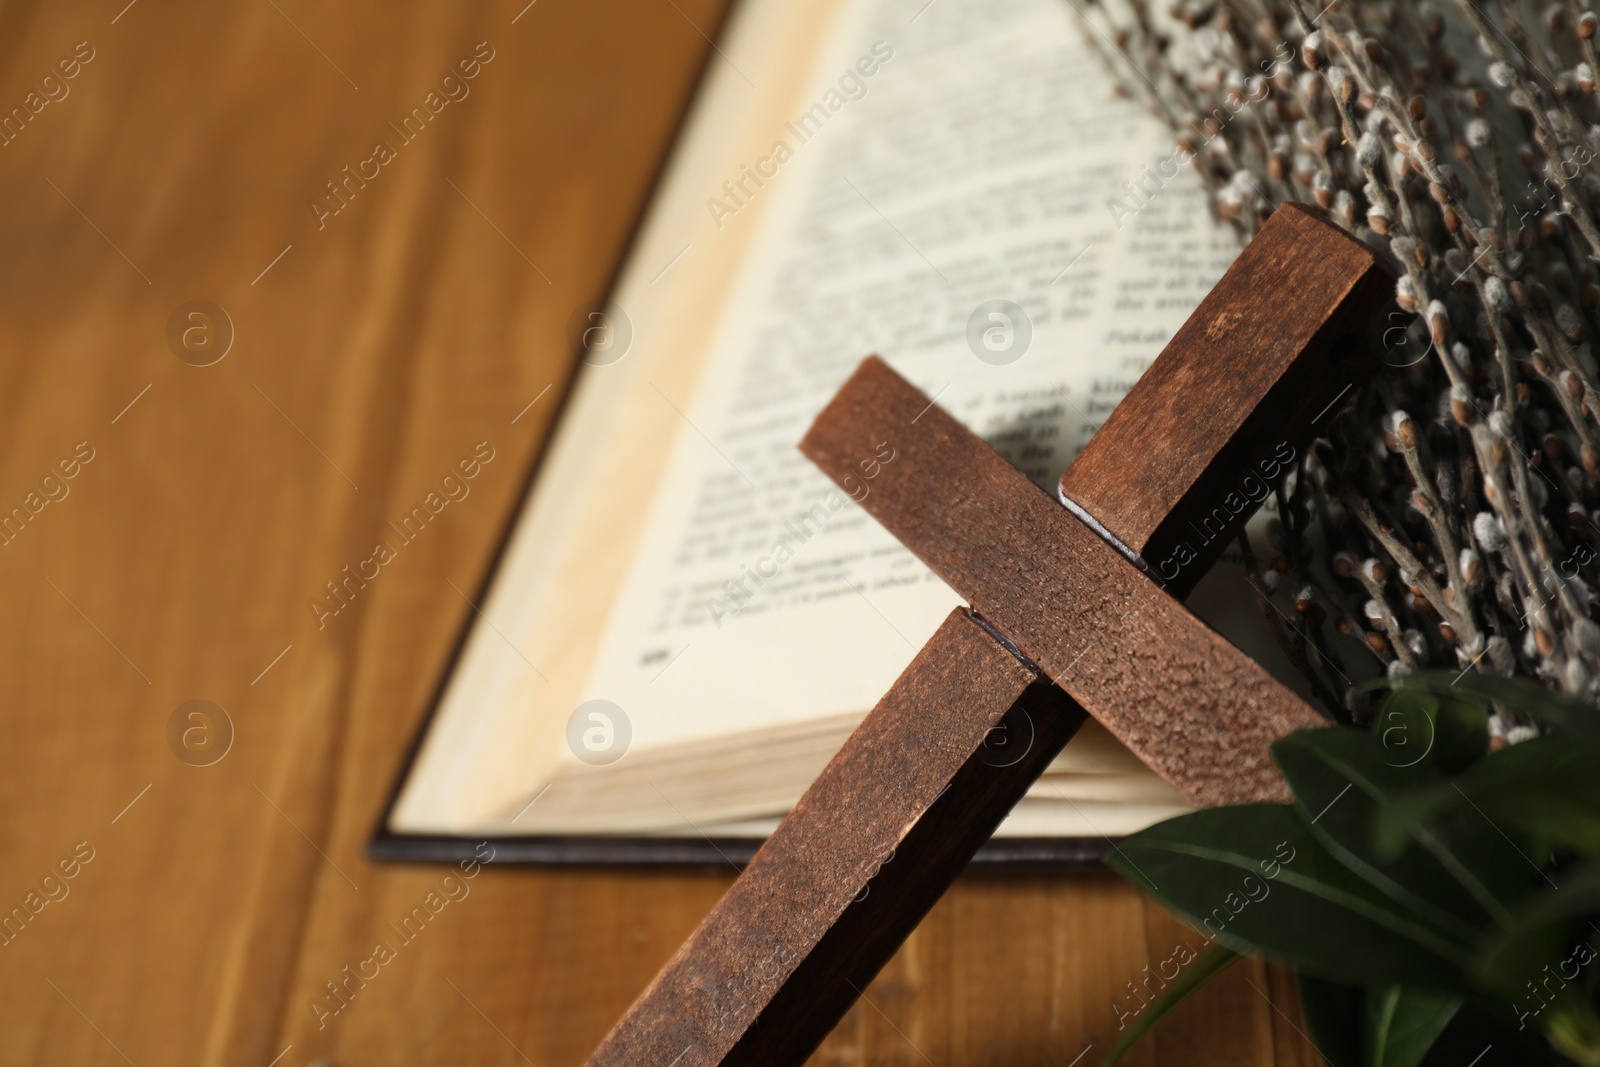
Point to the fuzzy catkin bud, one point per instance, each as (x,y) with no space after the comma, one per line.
(1404,293)
(1322,189)
(1343,86)
(1229,202)
(1569,322)
(1405,431)
(1438,322)
(1344,207)
(1235,91)
(1369,152)
(1498,296)
(1305,168)
(1487,529)
(1586,635)
(1517,734)
(1577,678)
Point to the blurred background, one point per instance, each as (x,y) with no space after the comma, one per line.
(224,364)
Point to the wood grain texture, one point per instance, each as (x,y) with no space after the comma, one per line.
(870,847)
(214,911)
(1235,397)
(381,348)
(1193,707)
(788,949)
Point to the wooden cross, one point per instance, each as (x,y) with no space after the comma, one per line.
(1073,612)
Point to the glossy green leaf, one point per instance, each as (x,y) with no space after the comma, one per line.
(1404,728)
(1463,734)
(1546,790)
(1212,962)
(1550,710)
(1548,938)
(1410,883)
(1255,879)
(1343,778)
(1447,731)
(1399,1025)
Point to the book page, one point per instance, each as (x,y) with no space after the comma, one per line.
(946,184)
(953,211)
(531,637)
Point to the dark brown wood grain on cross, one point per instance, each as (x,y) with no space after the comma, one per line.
(1078,595)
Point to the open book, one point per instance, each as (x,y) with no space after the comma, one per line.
(688,620)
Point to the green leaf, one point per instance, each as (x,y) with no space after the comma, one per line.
(1212,962)
(1447,731)
(1399,1025)
(1574,1030)
(1484,1034)
(1553,711)
(1404,728)
(1462,730)
(1333,1012)
(1539,942)
(1343,778)
(1254,878)
(1546,789)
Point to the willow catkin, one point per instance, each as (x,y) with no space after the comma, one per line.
(1467,153)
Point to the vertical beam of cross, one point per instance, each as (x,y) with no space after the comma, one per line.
(1077,596)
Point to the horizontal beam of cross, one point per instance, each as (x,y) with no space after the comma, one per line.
(922,783)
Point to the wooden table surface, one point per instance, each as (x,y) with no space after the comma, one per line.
(208,506)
